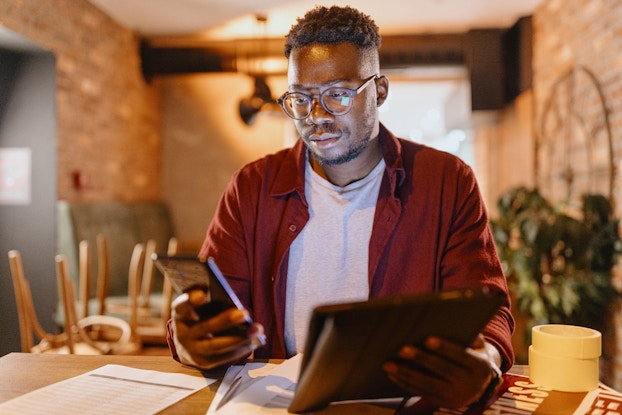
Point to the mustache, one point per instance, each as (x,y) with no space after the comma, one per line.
(321,129)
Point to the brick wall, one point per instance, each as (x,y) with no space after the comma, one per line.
(586,35)
(108,117)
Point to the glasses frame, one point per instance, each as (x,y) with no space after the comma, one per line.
(350,92)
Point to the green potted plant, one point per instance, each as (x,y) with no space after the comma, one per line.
(559,267)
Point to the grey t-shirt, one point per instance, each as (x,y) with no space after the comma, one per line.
(328,261)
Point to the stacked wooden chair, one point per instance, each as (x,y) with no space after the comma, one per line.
(105,334)
(73,338)
(147,312)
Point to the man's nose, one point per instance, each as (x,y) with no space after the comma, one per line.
(318,114)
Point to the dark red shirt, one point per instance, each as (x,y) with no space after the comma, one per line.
(430,233)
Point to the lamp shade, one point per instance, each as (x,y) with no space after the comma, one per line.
(250,107)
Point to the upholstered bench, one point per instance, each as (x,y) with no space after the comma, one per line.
(123,224)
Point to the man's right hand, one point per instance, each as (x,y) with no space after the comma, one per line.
(196,340)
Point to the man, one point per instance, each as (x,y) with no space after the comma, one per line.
(350,212)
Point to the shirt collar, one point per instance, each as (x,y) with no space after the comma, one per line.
(292,169)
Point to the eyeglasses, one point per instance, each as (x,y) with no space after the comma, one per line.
(335,100)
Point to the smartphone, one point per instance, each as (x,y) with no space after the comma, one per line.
(188,273)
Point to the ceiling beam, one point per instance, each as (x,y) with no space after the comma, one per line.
(498,60)
(225,56)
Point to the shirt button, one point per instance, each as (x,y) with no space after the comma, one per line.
(293,228)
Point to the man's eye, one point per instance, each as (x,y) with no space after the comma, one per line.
(299,100)
(336,93)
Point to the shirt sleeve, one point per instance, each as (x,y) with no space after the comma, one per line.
(470,258)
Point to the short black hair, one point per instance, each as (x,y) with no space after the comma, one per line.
(333,25)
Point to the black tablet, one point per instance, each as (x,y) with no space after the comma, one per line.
(348,343)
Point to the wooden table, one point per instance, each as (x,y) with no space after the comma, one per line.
(25,372)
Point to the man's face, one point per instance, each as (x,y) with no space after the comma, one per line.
(334,139)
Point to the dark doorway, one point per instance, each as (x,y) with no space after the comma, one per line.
(27,222)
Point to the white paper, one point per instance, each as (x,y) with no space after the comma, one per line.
(271,391)
(111,389)
(248,373)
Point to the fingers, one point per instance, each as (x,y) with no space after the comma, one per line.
(212,352)
(183,309)
(210,342)
(200,348)
(197,297)
(445,373)
(416,382)
(222,321)
(186,306)
(437,357)
(192,332)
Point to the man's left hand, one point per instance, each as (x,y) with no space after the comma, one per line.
(444,373)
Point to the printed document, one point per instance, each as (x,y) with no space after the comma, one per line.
(111,389)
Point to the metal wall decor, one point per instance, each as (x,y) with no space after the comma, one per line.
(574,149)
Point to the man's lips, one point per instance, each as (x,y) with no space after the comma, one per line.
(324,140)
(323,137)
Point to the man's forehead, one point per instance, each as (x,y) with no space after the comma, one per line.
(323,63)
(323,51)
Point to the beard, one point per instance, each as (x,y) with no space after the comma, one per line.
(355,148)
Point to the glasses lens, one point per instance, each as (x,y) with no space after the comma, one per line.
(297,105)
(337,101)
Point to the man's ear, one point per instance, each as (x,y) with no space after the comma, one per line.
(382,88)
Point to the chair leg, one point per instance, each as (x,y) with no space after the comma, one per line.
(102,272)
(84,276)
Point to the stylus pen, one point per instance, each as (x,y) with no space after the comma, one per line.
(230,392)
(401,406)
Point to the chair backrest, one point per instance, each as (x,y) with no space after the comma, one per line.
(76,328)
(145,282)
(24,304)
(145,277)
(84,276)
(148,274)
(138,306)
(68,299)
(134,275)
(29,325)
